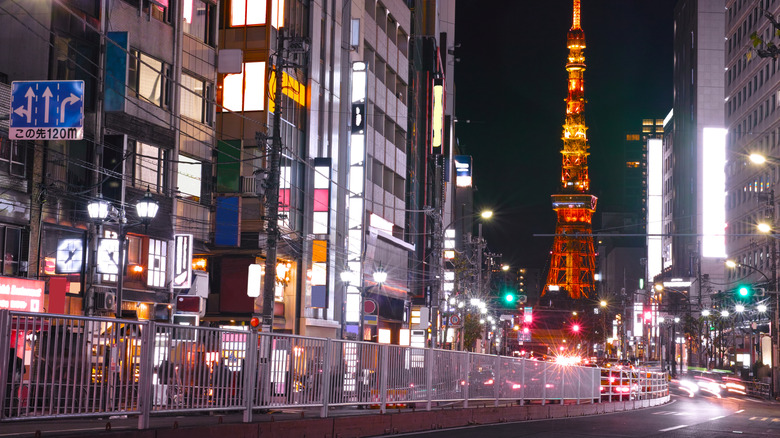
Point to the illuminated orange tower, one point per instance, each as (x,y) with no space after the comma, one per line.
(572,263)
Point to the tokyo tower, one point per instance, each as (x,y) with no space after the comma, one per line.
(572,262)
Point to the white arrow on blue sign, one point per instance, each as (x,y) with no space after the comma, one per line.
(47,110)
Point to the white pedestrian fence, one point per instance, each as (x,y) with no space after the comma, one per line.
(68,366)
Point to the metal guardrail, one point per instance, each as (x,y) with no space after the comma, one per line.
(747,387)
(68,366)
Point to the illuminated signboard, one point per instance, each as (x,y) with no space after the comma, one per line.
(713,243)
(21,295)
(437,117)
(655,163)
(182,261)
(462,170)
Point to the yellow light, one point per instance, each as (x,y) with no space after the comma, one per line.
(138,269)
(199,264)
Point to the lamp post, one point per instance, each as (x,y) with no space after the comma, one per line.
(770,231)
(433,305)
(101,211)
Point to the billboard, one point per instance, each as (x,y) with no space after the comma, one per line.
(463,168)
(21,295)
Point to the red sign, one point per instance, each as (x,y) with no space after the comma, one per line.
(369,307)
(21,295)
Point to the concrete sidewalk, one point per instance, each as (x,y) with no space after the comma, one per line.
(343,423)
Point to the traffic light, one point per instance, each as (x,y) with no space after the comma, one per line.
(744,292)
(509,297)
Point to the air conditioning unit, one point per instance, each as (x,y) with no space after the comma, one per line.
(105,300)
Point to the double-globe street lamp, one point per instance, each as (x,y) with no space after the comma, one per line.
(102,211)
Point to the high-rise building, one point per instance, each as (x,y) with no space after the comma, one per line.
(689,166)
(752,120)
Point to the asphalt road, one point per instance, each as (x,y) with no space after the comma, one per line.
(700,416)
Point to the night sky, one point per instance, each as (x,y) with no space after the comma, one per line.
(510,90)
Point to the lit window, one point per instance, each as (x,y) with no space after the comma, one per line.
(193,103)
(189,178)
(245,91)
(146,78)
(249,12)
(158,252)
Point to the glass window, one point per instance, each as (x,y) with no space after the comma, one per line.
(13,238)
(245,91)
(158,9)
(149,167)
(146,78)
(197,16)
(253,12)
(193,95)
(158,253)
(189,180)
(12,157)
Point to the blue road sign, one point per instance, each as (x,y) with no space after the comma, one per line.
(47,110)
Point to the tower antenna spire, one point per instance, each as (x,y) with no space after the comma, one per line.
(575,23)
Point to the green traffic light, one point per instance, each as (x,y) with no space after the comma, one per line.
(509,297)
(743,291)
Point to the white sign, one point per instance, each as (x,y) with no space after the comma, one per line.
(108,256)
(182,261)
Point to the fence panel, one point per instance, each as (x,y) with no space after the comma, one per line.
(482,376)
(63,366)
(71,366)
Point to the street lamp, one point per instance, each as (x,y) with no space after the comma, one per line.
(436,298)
(102,211)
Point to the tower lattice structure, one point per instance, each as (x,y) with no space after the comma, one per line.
(572,263)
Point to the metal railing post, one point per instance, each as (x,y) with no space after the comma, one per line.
(429,366)
(326,380)
(496,379)
(250,374)
(467,371)
(544,382)
(146,374)
(5,352)
(383,372)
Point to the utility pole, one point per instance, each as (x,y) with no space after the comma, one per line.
(296,46)
(776,293)
(272,194)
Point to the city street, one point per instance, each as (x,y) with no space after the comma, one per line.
(700,416)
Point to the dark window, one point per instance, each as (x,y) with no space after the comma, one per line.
(12,157)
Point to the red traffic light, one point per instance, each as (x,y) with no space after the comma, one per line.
(575,327)
(254,322)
